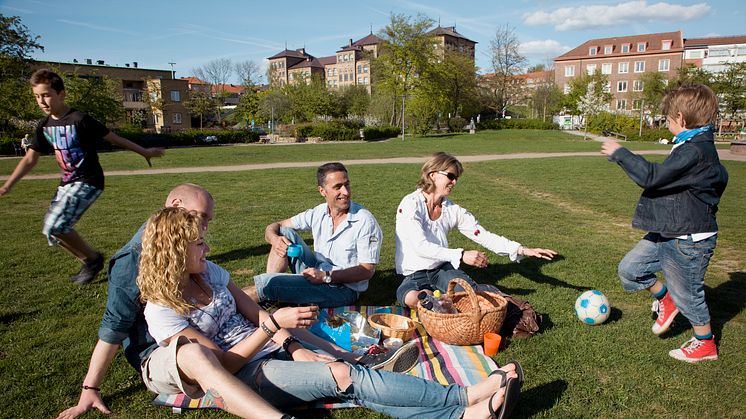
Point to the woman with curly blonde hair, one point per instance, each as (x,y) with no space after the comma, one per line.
(215,313)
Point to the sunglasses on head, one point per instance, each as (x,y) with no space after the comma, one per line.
(449,175)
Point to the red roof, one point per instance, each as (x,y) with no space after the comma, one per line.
(653,43)
(307,63)
(368,40)
(193,80)
(229,88)
(332,59)
(715,40)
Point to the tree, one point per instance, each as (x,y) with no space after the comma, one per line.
(98,96)
(248,73)
(352,100)
(273,105)
(536,68)
(654,87)
(200,103)
(507,62)
(308,100)
(690,74)
(730,86)
(454,80)
(16,45)
(216,73)
(546,100)
(599,85)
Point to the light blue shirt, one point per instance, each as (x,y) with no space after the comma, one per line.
(356,240)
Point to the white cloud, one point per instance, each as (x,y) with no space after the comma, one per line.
(632,12)
(543,48)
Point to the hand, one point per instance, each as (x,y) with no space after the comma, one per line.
(153,152)
(4,190)
(313,275)
(536,252)
(89,399)
(475,258)
(609,147)
(292,317)
(307,355)
(280,245)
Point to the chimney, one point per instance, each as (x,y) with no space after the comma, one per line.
(127,65)
(134,64)
(75,60)
(100,62)
(88,61)
(350,41)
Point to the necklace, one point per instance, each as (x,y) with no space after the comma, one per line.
(204,291)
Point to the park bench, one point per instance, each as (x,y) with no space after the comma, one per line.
(608,133)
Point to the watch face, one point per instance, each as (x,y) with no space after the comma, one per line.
(328,278)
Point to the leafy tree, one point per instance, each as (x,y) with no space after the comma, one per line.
(216,73)
(308,100)
(507,62)
(654,87)
(98,96)
(535,68)
(452,83)
(248,105)
(579,87)
(200,103)
(730,86)
(16,45)
(352,100)
(546,100)
(690,74)
(274,105)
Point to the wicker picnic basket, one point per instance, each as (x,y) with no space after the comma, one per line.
(479,312)
(393,325)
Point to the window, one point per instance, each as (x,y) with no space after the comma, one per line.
(621,86)
(177,118)
(625,48)
(636,104)
(623,68)
(340,77)
(175,96)
(359,80)
(335,71)
(664,65)
(608,49)
(607,87)
(621,104)
(365,69)
(665,45)
(592,50)
(606,68)
(345,77)
(741,51)
(639,66)
(566,89)
(365,80)
(719,53)
(569,70)
(640,47)
(637,85)
(695,54)
(590,68)
(359,68)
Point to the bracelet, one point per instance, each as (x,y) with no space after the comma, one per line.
(266,330)
(289,341)
(85,387)
(277,325)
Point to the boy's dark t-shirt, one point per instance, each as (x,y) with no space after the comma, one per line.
(73,139)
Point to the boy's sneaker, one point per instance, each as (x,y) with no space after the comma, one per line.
(89,270)
(666,310)
(695,350)
(400,360)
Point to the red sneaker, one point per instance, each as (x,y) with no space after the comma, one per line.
(695,350)
(667,311)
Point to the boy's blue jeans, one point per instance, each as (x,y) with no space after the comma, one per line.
(295,288)
(683,263)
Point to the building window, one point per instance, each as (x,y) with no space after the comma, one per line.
(340,77)
(664,65)
(590,68)
(639,66)
(608,49)
(666,45)
(637,85)
(625,48)
(695,54)
(719,52)
(623,68)
(592,50)
(606,68)
(365,69)
(175,96)
(365,80)
(569,70)
(636,104)
(621,86)
(177,118)
(359,68)
(640,47)
(621,104)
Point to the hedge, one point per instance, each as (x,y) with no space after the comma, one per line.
(343,131)
(517,124)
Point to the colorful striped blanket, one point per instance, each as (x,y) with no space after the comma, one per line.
(446,364)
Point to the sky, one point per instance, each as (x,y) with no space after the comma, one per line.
(191,33)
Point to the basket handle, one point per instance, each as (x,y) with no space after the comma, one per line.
(476,311)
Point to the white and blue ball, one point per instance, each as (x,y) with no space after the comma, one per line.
(592,307)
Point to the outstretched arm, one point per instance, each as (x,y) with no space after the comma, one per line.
(122,142)
(90,398)
(24,166)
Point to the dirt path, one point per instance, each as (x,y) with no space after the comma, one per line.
(724,155)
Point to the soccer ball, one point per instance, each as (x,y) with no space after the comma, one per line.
(592,307)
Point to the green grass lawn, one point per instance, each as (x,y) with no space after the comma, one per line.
(580,206)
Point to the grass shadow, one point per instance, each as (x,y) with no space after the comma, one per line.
(540,398)
(528,268)
(238,254)
(7,318)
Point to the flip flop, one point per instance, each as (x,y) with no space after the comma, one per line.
(502,374)
(518,370)
(512,394)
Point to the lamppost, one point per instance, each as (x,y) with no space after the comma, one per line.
(173,75)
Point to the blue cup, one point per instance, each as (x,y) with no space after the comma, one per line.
(295,250)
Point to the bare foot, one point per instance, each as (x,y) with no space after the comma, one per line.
(481,410)
(489,386)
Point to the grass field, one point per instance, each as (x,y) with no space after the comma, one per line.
(580,206)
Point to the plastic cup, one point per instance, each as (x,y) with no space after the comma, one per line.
(491,343)
(295,250)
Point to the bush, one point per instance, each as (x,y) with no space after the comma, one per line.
(377,133)
(517,124)
(187,137)
(456,124)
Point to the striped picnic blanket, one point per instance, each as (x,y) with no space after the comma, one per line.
(446,364)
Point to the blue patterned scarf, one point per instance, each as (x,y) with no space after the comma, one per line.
(686,135)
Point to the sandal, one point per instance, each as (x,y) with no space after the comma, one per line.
(512,394)
(518,370)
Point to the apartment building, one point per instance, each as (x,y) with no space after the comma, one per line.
(447,38)
(713,54)
(134,84)
(623,60)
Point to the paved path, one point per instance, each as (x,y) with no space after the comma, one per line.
(724,155)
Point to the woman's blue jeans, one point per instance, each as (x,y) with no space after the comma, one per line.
(683,263)
(285,384)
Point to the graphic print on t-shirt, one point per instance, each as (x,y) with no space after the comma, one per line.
(67,149)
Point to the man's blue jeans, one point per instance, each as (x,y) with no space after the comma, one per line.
(289,383)
(295,288)
(683,263)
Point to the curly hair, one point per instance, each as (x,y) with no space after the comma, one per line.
(165,240)
(438,161)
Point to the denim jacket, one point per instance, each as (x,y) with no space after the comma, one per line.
(681,195)
(123,322)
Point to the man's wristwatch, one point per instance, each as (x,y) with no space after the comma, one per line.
(327,277)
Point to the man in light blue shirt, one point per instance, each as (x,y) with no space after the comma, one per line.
(347,246)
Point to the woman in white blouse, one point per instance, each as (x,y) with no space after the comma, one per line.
(423,220)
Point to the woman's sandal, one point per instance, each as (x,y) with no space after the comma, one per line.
(518,370)
(510,399)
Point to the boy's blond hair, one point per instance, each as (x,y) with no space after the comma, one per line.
(696,102)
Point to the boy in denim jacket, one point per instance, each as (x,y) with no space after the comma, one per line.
(678,205)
